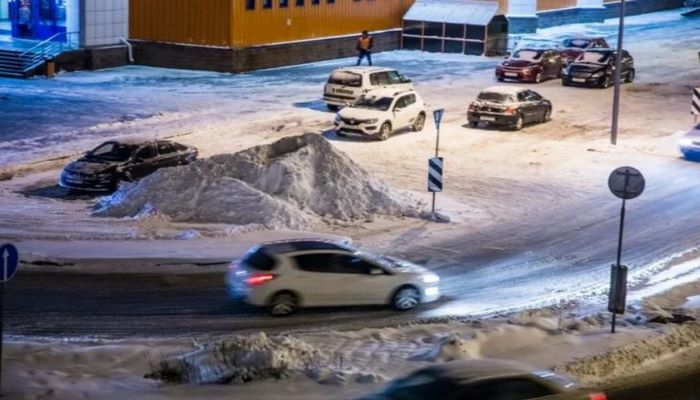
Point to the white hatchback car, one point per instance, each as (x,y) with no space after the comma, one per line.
(381,112)
(346,85)
(286,275)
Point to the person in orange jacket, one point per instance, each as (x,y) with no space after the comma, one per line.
(364,47)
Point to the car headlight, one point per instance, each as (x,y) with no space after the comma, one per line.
(372,121)
(430,278)
(685,142)
(597,75)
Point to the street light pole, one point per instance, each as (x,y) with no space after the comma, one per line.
(618,67)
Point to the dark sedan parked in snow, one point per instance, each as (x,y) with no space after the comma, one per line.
(508,106)
(103,168)
(531,65)
(595,68)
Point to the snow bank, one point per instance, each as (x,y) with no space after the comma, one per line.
(294,183)
(241,359)
(625,360)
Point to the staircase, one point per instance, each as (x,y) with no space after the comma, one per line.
(22,63)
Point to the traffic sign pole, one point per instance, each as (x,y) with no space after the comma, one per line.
(437,116)
(9,258)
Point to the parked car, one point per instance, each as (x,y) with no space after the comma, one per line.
(690,143)
(508,106)
(485,379)
(102,168)
(595,68)
(286,275)
(531,65)
(574,47)
(381,112)
(346,85)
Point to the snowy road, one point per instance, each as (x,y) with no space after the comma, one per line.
(568,254)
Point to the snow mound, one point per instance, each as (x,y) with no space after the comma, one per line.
(247,358)
(295,182)
(628,359)
(449,348)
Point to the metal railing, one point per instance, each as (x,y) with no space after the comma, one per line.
(48,49)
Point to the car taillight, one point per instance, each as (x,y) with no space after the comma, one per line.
(259,279)
(597,396)
(511,110)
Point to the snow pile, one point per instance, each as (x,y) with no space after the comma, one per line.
(449,348)
(625,360)
(243,359)
(294,183)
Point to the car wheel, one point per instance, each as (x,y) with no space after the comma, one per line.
(419,123)
(630,76)
(332,107)
(283,303)
(538,77)
(606,82)
(547,115)
(385,131)
(518,125)
(406,298)
(473,124)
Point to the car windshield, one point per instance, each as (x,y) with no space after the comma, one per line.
(112,151)
(528,55)
(594,57)
(576,43)
(374,103)
(345,78)
(495,97)
(420,386)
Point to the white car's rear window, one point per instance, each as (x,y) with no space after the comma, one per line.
(345,78)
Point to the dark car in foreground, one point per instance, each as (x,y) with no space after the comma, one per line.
(531,65)
(596,68)
(690,144)
(573,47)
(101,169)
(485,379)
(508,106)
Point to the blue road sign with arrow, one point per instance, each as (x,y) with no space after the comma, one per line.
(437,116)
(9,261)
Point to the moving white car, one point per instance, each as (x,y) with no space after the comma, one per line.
(381,112)
(346,85)
(286,275)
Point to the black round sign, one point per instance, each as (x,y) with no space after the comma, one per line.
(626,183)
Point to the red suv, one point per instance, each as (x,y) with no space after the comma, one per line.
(531,65)
(574,47)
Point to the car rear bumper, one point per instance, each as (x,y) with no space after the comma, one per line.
(492,118)
(337,100)
(583,82)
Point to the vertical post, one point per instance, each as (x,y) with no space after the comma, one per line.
(618,66)
(619,238)
(437,141)
(2,327)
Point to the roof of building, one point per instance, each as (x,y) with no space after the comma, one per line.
(471,12)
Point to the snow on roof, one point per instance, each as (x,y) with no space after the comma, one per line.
(387,92)
(504,89)
(472,12)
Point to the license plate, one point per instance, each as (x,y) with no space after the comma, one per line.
(513,74)
(487,118)
(578,79)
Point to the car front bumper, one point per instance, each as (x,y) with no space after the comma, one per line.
(520,75)
(492,118)
(362,129)
(86,184)
(430,294)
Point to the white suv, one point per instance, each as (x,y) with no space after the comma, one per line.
(346,85)
(286,275)
(381,112)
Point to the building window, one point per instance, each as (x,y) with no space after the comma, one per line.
(267,3)
(300,3)
(315,2)
(330,1)
(250,4)
(284,3)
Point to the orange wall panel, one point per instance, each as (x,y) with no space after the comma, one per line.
(264,26)
(206,22)
(544,5)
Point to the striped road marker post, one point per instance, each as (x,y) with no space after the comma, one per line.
(695,107)
(434,177)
